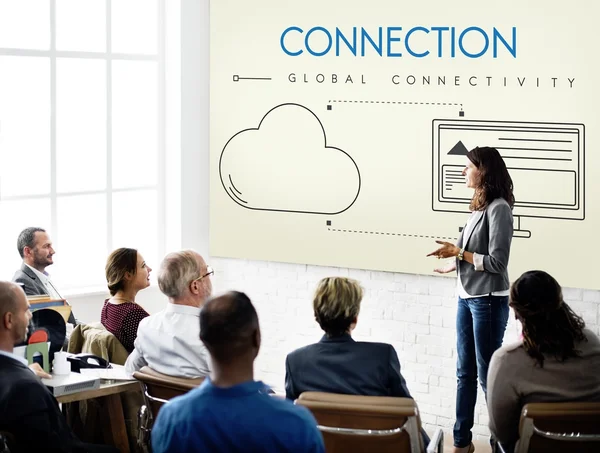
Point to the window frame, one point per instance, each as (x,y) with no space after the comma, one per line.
(108,57)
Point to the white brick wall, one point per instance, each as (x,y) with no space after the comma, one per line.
(415,313)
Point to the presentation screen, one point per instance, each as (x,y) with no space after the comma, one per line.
(339,130)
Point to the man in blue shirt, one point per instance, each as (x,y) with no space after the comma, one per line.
(231,412)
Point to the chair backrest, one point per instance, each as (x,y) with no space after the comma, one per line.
(7,443)
(560,427)
(365,423)
(159,388)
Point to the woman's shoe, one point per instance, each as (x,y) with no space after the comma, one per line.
(468,449)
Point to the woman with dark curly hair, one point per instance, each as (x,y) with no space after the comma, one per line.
(481,261)
(556,360)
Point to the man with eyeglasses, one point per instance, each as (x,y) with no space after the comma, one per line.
(169,341)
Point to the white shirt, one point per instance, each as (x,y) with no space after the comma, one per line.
(169,342)
(45,279)
(14,356)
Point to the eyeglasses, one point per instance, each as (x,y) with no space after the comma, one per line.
(209,271)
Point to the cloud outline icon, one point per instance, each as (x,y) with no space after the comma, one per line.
(285,165)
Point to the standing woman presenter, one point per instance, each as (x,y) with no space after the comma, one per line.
(481,261)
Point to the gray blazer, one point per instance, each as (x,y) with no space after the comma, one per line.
(30,283)
(490,236)
(32,286)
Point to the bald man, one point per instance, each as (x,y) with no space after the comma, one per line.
(231,412)
(27,408)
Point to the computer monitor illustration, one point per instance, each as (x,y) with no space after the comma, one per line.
(546,162)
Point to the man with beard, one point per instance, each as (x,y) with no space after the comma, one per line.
(35,247)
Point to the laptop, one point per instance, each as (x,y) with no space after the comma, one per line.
(71,383)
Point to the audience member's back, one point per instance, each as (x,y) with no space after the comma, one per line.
(337,363)
(342,365)
(231,412)
(557,360)
(243,418)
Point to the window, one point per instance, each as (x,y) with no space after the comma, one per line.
(82,132)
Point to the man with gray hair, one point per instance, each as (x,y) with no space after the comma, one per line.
(169,341)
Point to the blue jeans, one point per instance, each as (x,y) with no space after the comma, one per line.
(480,326)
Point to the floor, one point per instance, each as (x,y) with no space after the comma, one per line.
(480,445)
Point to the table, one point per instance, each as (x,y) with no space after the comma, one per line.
(110,392)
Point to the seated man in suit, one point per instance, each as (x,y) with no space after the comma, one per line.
(231,412)
(337,363)
(169,341)
(28,410)
(35,247)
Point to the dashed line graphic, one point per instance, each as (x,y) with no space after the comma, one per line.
(385,233)
(344,101)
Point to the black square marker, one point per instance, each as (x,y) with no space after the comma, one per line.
(329,107)
(329,223)
(461,113)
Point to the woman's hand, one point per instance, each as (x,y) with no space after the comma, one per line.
(450,267)
(447,250)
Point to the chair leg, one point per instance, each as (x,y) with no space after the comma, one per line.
(144,426)
(436,444)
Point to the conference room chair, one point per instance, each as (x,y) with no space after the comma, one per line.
(558,428)
(7,443)
(157,389)
(88,418)
(357,424)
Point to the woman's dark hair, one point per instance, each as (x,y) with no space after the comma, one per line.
(120,262)
(495,181)
(550,327)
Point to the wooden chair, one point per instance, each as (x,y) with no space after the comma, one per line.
(357,424)
(559,428)
(157,389)
(88,418)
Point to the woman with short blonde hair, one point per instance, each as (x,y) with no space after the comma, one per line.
(337,363)
(336,304)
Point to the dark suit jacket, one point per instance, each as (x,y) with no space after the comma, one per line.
(30,412)
(32,285)
(342,365)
